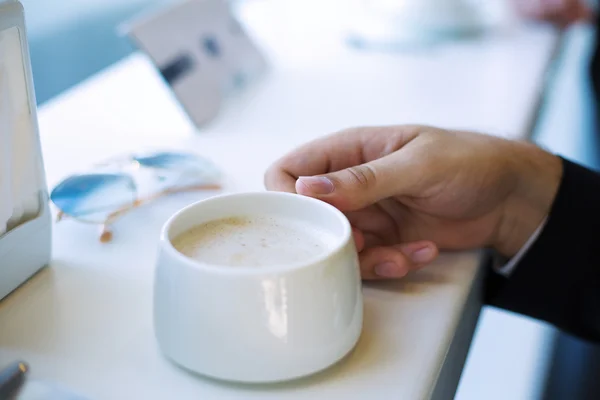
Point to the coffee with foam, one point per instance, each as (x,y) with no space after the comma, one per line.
(254,241)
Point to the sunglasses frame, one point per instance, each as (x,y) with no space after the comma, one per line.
(105,232)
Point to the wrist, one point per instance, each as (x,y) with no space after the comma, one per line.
(537,175)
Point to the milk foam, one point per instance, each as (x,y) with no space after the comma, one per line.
(254,241)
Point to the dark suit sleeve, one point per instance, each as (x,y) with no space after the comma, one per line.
(558,280)
(595,70)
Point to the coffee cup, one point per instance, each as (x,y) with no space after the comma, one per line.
(257,287)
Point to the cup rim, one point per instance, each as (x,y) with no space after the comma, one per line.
(167,245)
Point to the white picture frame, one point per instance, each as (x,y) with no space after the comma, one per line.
(202,52)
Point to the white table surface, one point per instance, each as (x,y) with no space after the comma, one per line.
(85,322)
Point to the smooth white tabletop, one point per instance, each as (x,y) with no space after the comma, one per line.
(85,322)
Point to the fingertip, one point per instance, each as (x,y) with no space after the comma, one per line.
(396,261)
(420,253)
(314,185)
(302,188)
(329,190)
(383,263)
(390,270)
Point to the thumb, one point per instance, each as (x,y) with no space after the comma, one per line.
(358,186)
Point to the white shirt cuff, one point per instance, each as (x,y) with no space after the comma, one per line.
(508,268)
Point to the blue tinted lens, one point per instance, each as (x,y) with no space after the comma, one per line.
(93,197)
(176,161)
(176,169)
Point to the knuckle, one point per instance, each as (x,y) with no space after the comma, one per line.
(363,175)
(268,180)
(271,172)
(275,179)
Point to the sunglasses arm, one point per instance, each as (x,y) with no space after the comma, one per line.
(106,234)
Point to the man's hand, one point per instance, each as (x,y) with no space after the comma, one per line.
(409,191)
(560,12)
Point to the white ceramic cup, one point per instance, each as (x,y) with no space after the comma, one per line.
(258,324)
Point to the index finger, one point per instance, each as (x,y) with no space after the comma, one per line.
(320,156)
(335,152)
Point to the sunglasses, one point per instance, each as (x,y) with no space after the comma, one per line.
(119,185)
